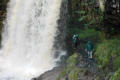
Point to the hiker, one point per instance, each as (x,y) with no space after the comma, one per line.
(89,49)
(75,40)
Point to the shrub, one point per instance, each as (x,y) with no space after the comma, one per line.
(116,76)
(108,54)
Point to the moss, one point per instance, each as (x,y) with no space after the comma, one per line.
(97,78)
(71,62)
(107,54)
(70,66)
(74,74)
(116,63)
(62,74)
(100,77)
(116,76)
(108,76)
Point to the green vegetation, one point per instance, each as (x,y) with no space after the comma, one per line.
(83,34)
(105,27)
(71,70)
(73,75)
(72,61)
(108,54)
(116,76)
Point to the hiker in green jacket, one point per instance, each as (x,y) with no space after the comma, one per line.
(89,49)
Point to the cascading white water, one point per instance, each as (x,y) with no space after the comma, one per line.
(28,38)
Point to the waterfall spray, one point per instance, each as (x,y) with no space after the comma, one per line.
(28,38)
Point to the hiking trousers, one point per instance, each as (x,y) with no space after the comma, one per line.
(90,54)
(75,44)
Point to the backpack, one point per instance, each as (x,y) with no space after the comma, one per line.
(75,38)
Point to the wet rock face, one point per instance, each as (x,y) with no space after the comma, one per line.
(52,74)
(59,43)
(34,79)
(3,7)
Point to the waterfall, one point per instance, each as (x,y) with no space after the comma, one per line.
(29,37)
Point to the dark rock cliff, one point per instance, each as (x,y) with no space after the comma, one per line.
(3,8)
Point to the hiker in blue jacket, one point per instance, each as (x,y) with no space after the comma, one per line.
(89,49)
(75,40)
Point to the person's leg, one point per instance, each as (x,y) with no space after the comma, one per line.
(91,54)
(75,45)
